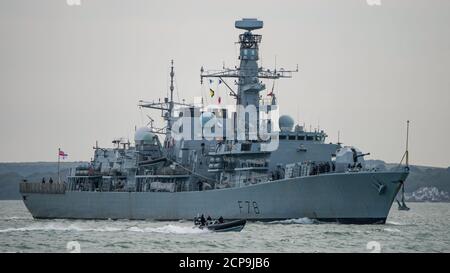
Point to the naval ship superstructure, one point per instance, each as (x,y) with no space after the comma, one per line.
(240,162)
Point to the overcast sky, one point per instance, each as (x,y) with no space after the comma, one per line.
(71,75)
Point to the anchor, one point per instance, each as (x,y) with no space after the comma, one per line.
(381,188)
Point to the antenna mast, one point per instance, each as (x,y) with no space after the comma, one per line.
(166,107)
(407,140)
(172,74)
(406,154)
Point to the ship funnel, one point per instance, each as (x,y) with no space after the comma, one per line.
(248,24)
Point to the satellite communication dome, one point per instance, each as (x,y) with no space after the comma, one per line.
(286,123)
(144,134)
(205,117)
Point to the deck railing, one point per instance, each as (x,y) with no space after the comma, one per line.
(55,188)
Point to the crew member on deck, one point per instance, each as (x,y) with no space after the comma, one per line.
(200,185)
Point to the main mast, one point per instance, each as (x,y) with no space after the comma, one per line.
(249,72)
(169,120)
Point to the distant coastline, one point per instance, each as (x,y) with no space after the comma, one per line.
(424,184)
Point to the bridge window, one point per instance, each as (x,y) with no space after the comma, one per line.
(309,138)
(291,137)
(282,137)
(301,137)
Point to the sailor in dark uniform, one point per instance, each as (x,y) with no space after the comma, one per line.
(200,185)
(202,220)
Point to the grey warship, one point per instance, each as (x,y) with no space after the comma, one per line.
(241,162)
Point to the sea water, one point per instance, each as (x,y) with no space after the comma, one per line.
(425,228)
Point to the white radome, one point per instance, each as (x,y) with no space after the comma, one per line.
(286,123)
(144,134)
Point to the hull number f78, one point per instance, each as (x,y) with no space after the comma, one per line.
(248,207)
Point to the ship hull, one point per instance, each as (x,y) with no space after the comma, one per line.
(355,198)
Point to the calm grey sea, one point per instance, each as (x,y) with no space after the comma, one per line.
(425,228)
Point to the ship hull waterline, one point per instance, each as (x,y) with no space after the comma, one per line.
(350,198)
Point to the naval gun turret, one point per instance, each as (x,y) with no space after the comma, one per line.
(348,158)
